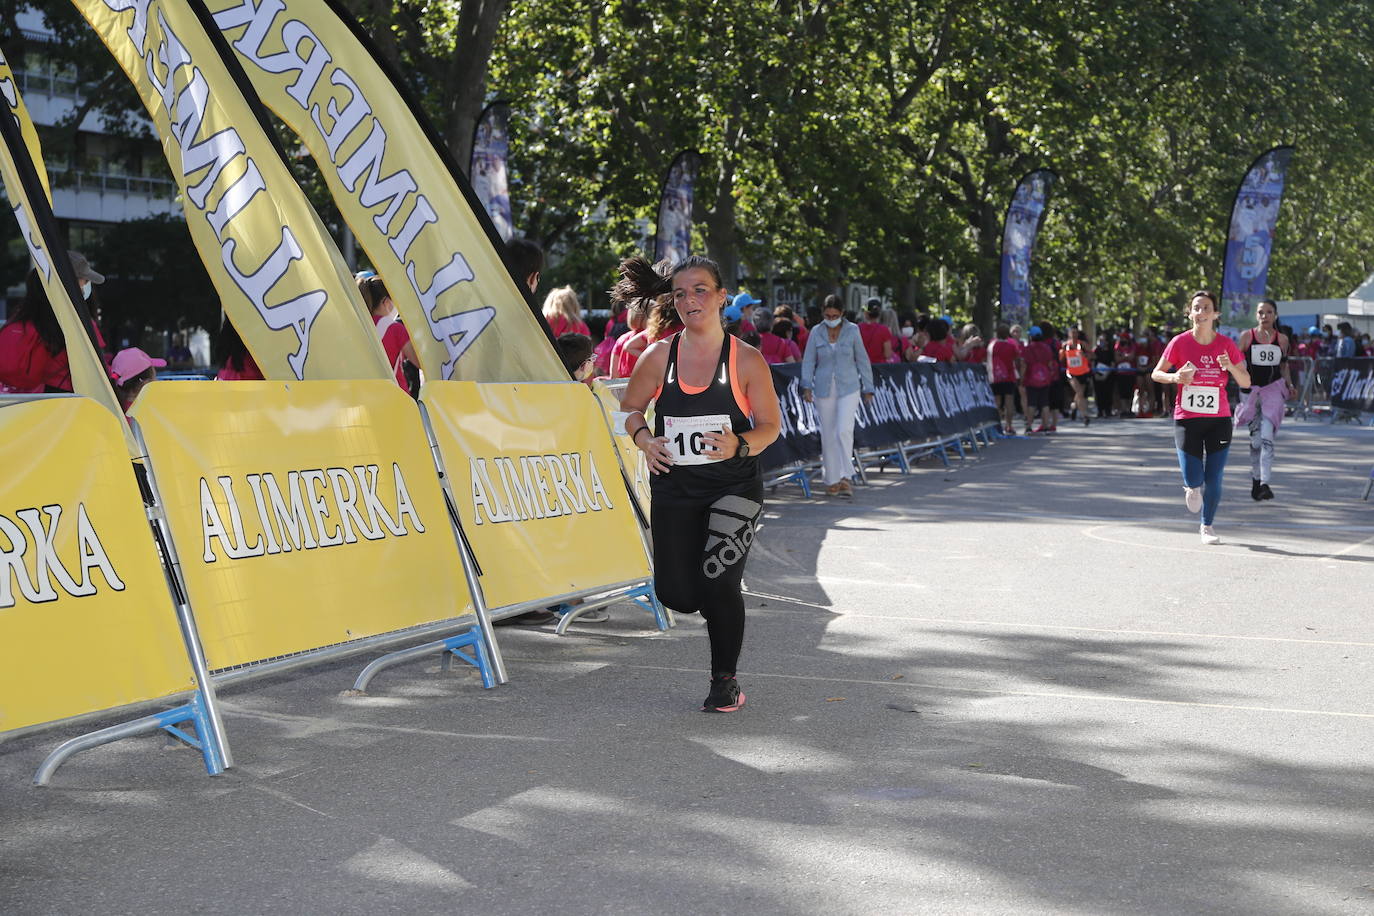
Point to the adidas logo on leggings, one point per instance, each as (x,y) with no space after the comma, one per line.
(730,531)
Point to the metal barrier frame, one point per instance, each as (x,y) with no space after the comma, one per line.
(203,709)
(639,591)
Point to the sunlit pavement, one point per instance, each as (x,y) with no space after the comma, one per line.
(1019,686)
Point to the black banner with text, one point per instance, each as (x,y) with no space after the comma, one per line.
(913,402)
(1352,384)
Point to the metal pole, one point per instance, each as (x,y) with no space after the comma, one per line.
(185,616)
(479,601)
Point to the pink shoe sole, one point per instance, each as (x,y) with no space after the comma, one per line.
(734,708)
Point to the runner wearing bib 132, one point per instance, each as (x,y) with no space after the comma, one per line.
(1202,413)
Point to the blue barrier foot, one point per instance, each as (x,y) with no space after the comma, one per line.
(469,647)
(194,713)
(647,598)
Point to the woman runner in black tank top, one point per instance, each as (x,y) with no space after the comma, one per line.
(716,409)
(1262,405)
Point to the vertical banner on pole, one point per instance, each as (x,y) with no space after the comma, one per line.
(26,184)
(1250,241)
(281,279)
(1024,217)
(674,231)
(490,149)
(396,185)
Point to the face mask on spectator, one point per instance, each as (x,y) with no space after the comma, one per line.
(908,332)
(833,322)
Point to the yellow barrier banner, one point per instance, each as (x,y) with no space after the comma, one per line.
(26,185)
(538,488)
(86,618)
(280,277)
(390,175)
(304,514)
(636,465)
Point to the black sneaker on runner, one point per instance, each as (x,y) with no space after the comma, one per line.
(725,695)
(1265,492)
(1255,490)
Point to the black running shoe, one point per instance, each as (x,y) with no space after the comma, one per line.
(1255,489)
(1265,492)
(725,695)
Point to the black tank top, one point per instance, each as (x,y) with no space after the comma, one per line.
(1263,374)
(721,397)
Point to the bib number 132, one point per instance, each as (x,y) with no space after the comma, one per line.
(1202,399)
(687,436)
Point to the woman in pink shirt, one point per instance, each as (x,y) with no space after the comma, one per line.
(563,313)
(395,338)
(776,344)
(1202,414)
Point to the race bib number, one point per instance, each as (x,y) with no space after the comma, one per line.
(1266,354)
(1143,360)
(1075,361)
(1202,399)
(687,436)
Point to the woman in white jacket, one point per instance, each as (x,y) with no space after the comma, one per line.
(835,373)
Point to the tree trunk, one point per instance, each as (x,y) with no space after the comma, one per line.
(722,239)
(467,75)
(986,313)
(1087,300)
(833,277)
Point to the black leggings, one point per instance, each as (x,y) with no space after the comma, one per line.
(699,551)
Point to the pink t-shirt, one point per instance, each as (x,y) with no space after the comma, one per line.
(623,360)
(1004,353)
(394,339)
(874,336)
(776,349)
(1206,396)
(560,326)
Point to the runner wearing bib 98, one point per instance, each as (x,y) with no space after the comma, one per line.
(1261,408)
(716,410)
(1202,414)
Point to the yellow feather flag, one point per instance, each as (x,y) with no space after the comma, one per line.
(26,184)
(280,277)
(396,185)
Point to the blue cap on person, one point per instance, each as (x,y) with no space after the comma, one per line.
(1035,333)
(733,312)
(1314,330)
(743,301)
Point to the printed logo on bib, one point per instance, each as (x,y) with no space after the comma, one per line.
(1266,354)
(1143,360)
(687,436)
(1202,399)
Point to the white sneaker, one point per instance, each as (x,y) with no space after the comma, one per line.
(1209,535)
(1192,498)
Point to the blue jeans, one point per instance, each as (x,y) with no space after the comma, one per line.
(1202,444)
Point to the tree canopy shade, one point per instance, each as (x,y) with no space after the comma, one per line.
(878,142)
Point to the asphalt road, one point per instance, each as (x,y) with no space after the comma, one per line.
(1020,686)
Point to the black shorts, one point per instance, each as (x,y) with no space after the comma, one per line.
(1004,389)
(1037,396)
(1198,436)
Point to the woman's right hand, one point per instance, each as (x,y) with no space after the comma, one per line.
(807,396)
(655,449)
(1185,373)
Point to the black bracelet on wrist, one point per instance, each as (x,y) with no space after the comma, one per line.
(634,436)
